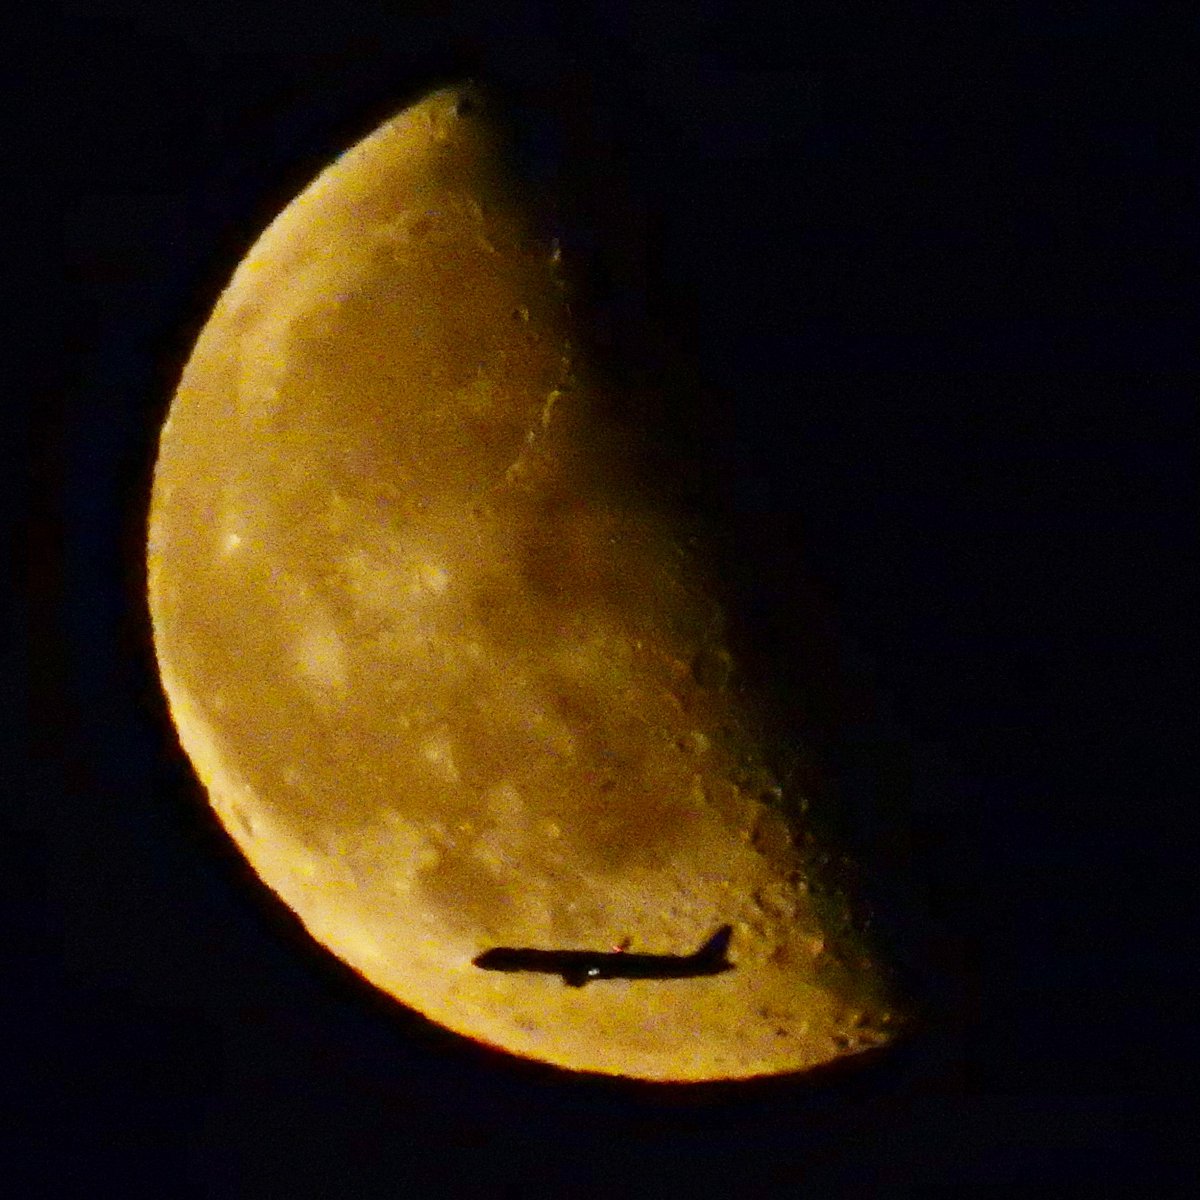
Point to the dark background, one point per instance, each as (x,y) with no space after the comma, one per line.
(923,283)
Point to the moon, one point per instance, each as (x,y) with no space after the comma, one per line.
(448,672)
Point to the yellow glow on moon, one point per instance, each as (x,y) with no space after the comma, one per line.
(447,676)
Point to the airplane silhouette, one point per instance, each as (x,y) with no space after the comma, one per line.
(578,967)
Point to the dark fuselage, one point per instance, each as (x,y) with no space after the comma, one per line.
(578,967)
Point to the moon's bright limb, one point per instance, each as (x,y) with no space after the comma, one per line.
(448,677)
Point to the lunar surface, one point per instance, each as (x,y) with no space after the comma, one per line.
(451,678)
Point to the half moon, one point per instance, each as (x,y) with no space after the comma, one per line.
(448,674)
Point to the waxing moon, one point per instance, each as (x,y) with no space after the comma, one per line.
(448,672)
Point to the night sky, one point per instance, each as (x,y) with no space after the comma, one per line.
(917,290)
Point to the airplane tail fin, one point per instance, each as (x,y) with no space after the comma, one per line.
(713,951)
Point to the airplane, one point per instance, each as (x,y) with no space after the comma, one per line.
(578,967)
